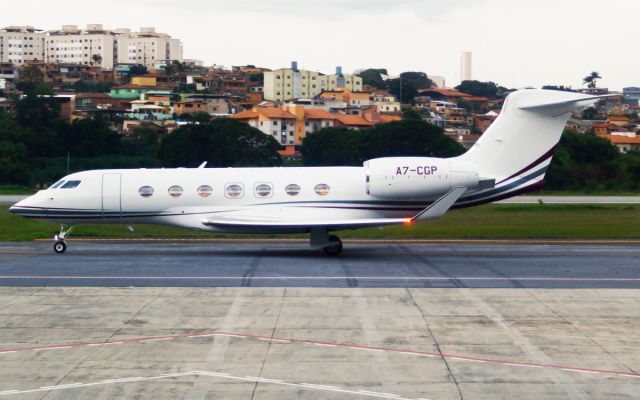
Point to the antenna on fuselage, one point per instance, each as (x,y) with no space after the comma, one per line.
(203,165)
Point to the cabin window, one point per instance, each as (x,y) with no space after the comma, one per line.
(292,189)
(70,185)
(205,191)
(233,191)
(322,189)
(146,191)
(55,185)
(263,190)
(175,191)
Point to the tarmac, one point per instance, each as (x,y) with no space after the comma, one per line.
(384,320)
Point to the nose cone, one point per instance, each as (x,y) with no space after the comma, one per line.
(21,207)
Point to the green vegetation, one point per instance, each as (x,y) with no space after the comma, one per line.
(483,89)
(489,222)
(410,137)
(15,190)
(591,164)
(222,142)
(591,79)
(37,147)
(410,81)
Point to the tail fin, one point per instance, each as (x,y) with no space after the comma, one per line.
(517,148)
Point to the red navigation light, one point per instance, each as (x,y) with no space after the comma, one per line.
(408,221)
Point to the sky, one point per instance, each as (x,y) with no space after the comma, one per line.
(515,43)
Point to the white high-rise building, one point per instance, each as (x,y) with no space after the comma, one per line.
(21,43)
(93,46)
(97,46)
(465,66)
(146,47)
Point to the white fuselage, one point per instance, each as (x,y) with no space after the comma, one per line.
(112,197)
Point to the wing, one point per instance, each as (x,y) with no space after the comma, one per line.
(435,210)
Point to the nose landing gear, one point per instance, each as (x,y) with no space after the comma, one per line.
(60,246)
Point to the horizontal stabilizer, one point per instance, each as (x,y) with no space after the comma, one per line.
(564,106)
(439,207)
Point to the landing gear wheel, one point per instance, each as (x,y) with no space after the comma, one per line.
(59,247)
(336,246)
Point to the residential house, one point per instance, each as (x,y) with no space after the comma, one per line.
(129,91)
(273,121)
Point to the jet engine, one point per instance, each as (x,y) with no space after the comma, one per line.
(417,177)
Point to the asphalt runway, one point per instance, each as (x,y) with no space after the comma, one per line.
(292,264)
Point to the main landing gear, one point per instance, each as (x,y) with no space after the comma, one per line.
(335,247)
(321,239)
(60,246)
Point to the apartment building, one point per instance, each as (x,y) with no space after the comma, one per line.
(147,47)
(91,46)
(293,83)
(19,44)
(105,48)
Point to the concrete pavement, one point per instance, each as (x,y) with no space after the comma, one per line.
(304,343)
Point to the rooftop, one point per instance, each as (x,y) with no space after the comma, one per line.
(352,120)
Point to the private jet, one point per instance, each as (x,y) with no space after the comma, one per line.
(510,158)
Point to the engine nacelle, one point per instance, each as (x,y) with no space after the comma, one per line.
(417,177)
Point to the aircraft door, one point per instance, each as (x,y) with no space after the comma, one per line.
(111,202)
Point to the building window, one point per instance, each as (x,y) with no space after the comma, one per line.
(146,191)
(205,191)
(263,190)
(175,191)
(275,123)
(233,191)
(322,189)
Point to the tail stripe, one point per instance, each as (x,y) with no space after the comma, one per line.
(534,164)
(504,188)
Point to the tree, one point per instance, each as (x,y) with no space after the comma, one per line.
(589,113)
(31,74)
(96,59)
(408,92)
(591,79)
(583,162)
(85,86)
(410,137)
(259,77)
(137,70)
(334,146)
(481,89)
(222,142)
(373,77)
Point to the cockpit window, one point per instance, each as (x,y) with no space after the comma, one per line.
(55,185)
(70,185)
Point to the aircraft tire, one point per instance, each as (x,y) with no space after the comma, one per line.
(59,247)
(335,248)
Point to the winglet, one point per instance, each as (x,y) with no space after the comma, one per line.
(439,207)
(204,164)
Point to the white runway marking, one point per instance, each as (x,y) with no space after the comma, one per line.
(364,393)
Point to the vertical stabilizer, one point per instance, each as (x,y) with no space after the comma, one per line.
(517,148)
